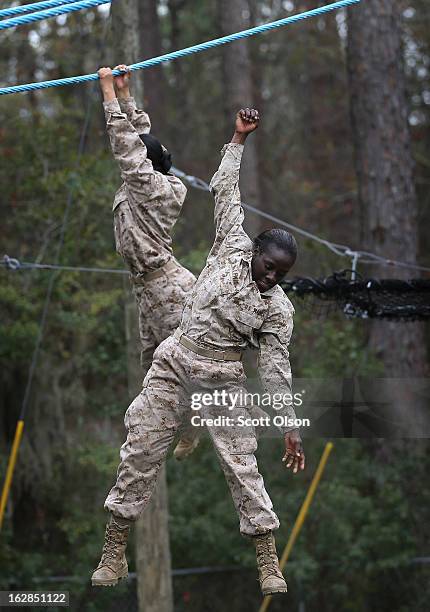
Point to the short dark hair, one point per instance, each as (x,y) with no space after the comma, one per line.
(279,238)
(161,159)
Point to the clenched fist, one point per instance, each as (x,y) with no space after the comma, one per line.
(247,120)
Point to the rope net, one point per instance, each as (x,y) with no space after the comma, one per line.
(390,299)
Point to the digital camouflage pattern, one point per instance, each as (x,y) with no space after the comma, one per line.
(224,310)
(138,118)
(157,413)
(160,304)
(148,203)
(146,208)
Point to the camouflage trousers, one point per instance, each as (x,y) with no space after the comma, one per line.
(160,303)
(158,412)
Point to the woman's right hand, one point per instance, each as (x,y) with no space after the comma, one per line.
(247,120)
(294,457)
(122,81)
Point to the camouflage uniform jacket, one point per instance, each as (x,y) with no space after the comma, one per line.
(225,310)
(148,203)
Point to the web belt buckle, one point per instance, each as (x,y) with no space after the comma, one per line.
(209,353)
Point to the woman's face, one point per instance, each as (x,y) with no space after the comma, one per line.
(270,266)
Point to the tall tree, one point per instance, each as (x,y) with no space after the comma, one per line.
(154,78)
(179,80)
(239,93)
(153,564)
(384,166)
(126,42)
(154,583)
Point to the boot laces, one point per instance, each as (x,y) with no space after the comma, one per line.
(113,542)
(266,556)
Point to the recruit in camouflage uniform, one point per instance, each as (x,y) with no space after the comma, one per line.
(145,209)
(214,320)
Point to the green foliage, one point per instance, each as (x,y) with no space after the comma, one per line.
(200,507)
(195,259)
(338,345)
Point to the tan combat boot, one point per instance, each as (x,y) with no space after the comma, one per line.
(271,578)
(113,564)
(185,447)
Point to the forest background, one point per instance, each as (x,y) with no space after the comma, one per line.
(365,538)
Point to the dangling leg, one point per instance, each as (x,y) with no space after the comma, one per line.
(235,447)
(151,421)
(165,299)
(147,352)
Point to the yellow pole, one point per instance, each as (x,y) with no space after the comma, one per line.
(301,517)
(10,469)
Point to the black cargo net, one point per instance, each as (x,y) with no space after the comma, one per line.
(364,298)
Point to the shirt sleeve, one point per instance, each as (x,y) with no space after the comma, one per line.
(228,215)
(138,118)
(274,363)
(130,152)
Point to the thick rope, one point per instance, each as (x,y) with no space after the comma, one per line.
(53,12)
(34,6)
(155,61)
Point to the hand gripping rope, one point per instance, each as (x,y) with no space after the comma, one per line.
(155,61)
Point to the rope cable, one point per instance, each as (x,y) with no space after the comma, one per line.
(14,264)
(34,6)
(155,61)
(53,12)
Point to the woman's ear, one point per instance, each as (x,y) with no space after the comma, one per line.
(256,249)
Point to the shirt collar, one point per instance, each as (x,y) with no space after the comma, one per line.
(270,292)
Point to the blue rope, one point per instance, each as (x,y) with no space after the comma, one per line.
(53,12)
(34,6)
(183,52)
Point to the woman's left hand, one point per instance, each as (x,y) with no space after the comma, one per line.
(294,457)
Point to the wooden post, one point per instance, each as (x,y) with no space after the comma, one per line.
(153,567)
(239,93)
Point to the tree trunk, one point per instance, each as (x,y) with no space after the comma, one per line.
(238,86)
(125,38)
(384,166)
(154,79)
(153,568)
(183,121)
(152,536)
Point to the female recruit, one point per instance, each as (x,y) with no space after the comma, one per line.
(235,303)
(145,209)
